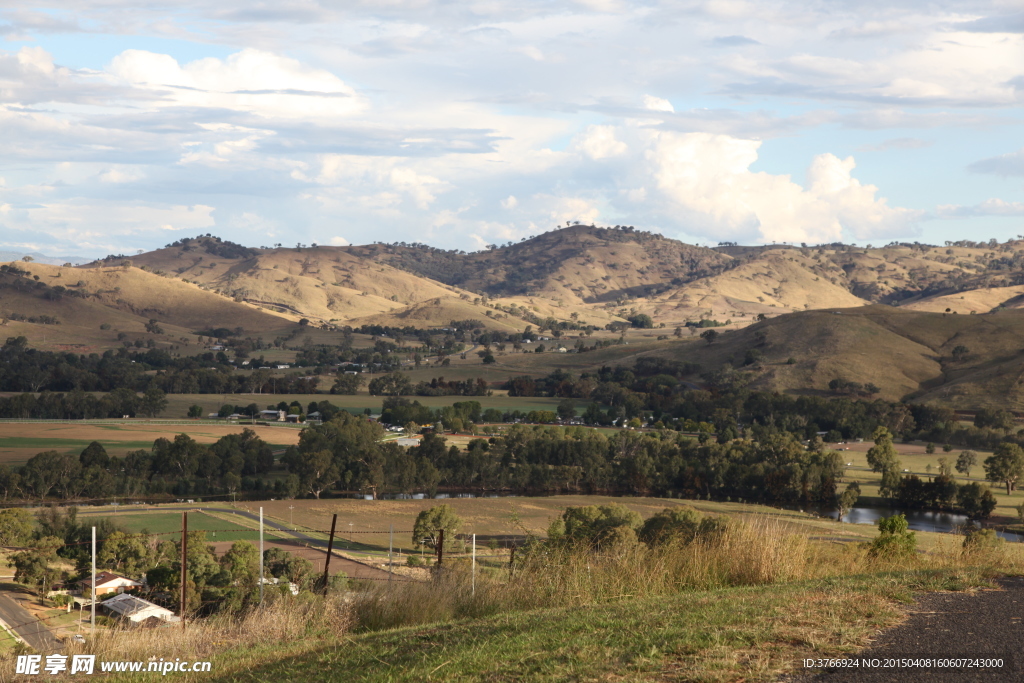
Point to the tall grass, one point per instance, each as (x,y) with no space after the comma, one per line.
(753,551)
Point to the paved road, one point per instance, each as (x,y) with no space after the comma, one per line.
(33,632)
(983,624)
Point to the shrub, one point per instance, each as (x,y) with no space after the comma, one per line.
(895,541)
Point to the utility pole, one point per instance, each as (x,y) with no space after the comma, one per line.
(291,516)
(391,547)
(184,563)
(261,555)
(440,547)
(92,619)
(473,573)
(330,549)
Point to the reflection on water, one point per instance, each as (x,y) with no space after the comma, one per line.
(917,520)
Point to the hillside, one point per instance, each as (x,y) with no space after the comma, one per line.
(89,309)
(905,354)
(580,264)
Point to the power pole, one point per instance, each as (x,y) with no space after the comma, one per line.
(184,563)
(473,574)
(330,549)
(261,555)
(92,619)
(440,547)
(391,547)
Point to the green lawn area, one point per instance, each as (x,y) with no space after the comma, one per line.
(69,445)
(168,524)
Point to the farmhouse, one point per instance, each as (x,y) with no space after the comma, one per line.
(108,582)
(138,611)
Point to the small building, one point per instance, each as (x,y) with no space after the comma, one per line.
(138,611)
(407,441)
(272,415)
(108,582)
(283,366)
(292,417)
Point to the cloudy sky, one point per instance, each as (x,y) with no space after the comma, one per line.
(126,126)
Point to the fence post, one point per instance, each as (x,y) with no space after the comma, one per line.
(473,573)
(512,561)
(184,563)
(330,549)
(440,547)
(391,548)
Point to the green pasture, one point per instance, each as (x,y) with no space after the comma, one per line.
(168,524)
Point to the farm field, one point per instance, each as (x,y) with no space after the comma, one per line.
(167,523)
(19,441)
(178,404)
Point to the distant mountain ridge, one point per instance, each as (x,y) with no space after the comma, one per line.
(6,255)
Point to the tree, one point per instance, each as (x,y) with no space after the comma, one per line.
(32,566)
(960,352)
(154,401)
(195,410)
(347,384)
(929,448)
(94,454)
(641,320)
(598,525)
(976,501)
(124,554)
(965,462)
(1006,464)
(242,562)
(566,409)
(996,418)
(428,522)
(709,336)
(16,526)
(316,469)
(882,457)
(391,384)
(846,500)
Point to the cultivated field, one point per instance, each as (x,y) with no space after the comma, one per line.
(19,441)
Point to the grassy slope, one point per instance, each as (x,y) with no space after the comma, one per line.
(732,634)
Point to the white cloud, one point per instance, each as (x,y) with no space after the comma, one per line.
(599,142)
(989,207)
(702,183)
(121,175)
(338,241)
(657,104)
(251,80)
(509,202)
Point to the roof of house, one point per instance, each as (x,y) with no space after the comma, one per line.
(137,609)
(103,578)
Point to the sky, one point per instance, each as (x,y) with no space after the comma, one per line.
(127,126)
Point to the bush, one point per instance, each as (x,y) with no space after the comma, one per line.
(414,561)
(895,541)
(979,540)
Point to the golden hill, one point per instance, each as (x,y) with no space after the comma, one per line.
(906,354)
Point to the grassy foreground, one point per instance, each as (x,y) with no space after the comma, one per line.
(746,605)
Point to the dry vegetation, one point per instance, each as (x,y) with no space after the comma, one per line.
(743,606)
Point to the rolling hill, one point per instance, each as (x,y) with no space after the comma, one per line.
(905,354)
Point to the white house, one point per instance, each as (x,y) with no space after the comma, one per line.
(108,582)
(138,611)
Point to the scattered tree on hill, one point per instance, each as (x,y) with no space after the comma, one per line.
(960,352)
(347,384)
(965,461)
(391,384)
(996,418)
(429,522)
(976,501)
(709,336)
(1006,464)
(846,500)
(641,320)
(882,457)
